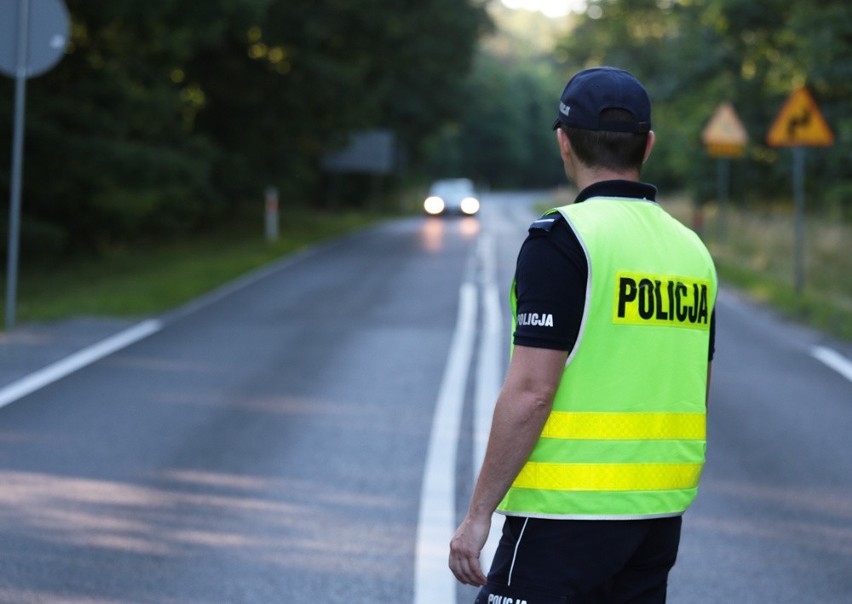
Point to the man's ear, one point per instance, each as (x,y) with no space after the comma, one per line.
(564,144)
(652,138)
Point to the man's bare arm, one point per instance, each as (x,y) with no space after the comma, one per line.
(521,410)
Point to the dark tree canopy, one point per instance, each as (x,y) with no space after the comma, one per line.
(165,116)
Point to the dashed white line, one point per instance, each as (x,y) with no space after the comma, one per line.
(488,365)
(488,376)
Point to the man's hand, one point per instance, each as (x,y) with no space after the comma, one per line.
(465,547)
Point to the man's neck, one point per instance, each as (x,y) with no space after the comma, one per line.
(588,176)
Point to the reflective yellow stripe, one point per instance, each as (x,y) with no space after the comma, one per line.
(608,477)
(625,426)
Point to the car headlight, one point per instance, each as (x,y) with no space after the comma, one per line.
(470,205)
(433,205)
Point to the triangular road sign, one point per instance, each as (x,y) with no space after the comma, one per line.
(800,124)
(724,135)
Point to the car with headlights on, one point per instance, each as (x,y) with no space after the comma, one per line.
(452,196)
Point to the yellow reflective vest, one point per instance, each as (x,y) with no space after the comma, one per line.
(627,433)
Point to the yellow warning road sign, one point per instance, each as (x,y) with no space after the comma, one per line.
(724,135)
(800,124)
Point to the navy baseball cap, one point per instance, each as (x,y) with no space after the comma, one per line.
(592,91)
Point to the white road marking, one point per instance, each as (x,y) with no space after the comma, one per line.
(488,376)
(433,581)
(833,359)
(488,366)
(78,360)
(437,522)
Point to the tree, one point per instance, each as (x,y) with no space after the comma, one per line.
(167,117)
(694,54)
(504,137)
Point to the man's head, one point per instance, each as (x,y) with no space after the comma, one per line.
(606,115)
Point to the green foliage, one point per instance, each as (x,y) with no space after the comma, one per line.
(158,277)
(169,117)
(504,138)
(166,116)
(695,54)
(692,55)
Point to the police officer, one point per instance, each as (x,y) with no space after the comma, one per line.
(598,435)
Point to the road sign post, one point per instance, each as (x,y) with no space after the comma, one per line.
(799,210)
(33,36)
(799,124)
(17,163)
(723,188)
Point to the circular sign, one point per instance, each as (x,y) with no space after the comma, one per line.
(47,36)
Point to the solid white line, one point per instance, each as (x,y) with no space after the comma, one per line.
(433,581)
(833,359)
(60,369)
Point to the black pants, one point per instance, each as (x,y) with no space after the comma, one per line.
(582,561)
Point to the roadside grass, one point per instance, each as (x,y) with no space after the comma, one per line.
(148,279)
(754,250)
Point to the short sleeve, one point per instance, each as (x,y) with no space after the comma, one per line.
(551,278)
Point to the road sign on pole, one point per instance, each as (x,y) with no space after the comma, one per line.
(725,138)
(799,124)
(33,36)
(43,35)
(724,135)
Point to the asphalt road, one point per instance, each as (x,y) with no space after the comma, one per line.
(270,442)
